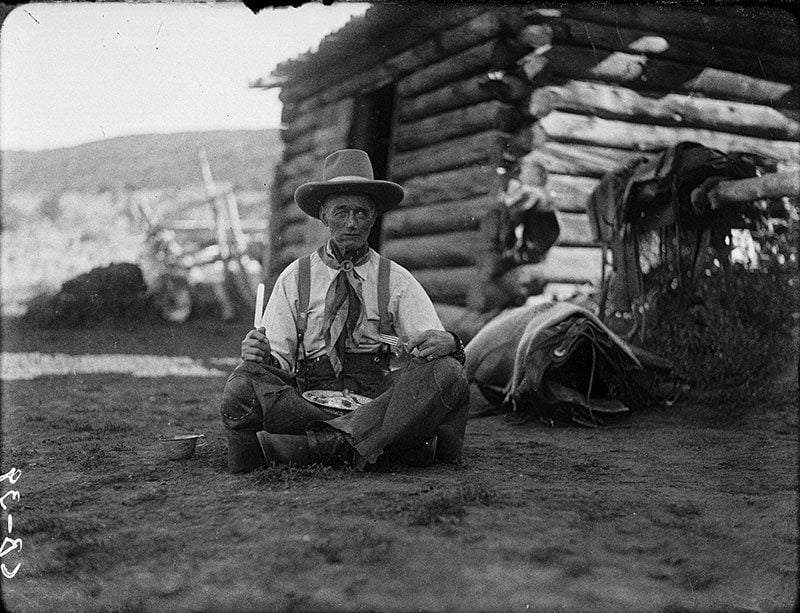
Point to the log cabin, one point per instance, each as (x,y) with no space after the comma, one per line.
(456,101)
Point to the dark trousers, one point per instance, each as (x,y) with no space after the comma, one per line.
(411,404)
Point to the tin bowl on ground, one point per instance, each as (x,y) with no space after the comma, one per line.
(180,446)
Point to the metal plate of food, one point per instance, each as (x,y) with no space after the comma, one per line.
(340,401)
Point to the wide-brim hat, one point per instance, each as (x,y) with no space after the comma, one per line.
(348,171)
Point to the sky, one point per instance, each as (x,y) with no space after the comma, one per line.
(73,73)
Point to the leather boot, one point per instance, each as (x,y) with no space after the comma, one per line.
(422,455)
(331,447)
(285,448)
(328,446)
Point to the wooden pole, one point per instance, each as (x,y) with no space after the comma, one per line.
(218,208)
(236,223)
(774,185)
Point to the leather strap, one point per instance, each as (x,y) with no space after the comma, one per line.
(385,322)
(303,294)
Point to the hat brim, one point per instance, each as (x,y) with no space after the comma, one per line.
(385,194)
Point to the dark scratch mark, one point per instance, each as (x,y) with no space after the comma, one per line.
(31,16)
(760,65)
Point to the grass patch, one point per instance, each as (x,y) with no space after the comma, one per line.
(449,506)
(548,554)
(53,526)
(280,476)
(106,426)
(96,455)
(362,545)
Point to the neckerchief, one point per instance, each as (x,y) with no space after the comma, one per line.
(345,313)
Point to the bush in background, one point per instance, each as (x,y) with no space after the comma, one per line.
(110,292)
(729,329)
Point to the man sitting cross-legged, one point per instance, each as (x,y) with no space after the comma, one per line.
(320,331)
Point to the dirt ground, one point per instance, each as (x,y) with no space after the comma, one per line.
(692,507)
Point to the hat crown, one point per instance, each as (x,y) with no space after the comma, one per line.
(347,164)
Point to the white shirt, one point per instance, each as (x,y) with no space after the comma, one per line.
(410,309)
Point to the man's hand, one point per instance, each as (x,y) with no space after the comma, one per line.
(255,346)
(432,344)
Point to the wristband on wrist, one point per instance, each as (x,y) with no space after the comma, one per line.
(458,354)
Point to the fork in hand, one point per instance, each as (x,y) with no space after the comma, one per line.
(391,340)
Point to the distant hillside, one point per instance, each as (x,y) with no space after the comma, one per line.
(245,158)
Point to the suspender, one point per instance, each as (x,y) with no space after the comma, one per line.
(384,270)
(304,293)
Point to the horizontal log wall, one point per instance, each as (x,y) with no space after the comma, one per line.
(447,285)
(482,149)
(573,128)
(486,24)
(726,30)
(650,74)
(435,250)
(332,77)
(437,217)
(490,115)
(317,121)
(616,83)
(501,86)
(665,109)
(600,84)
(583,161)
(491,55)
(450,185)
(459,122)
(570,31)
(562,265)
